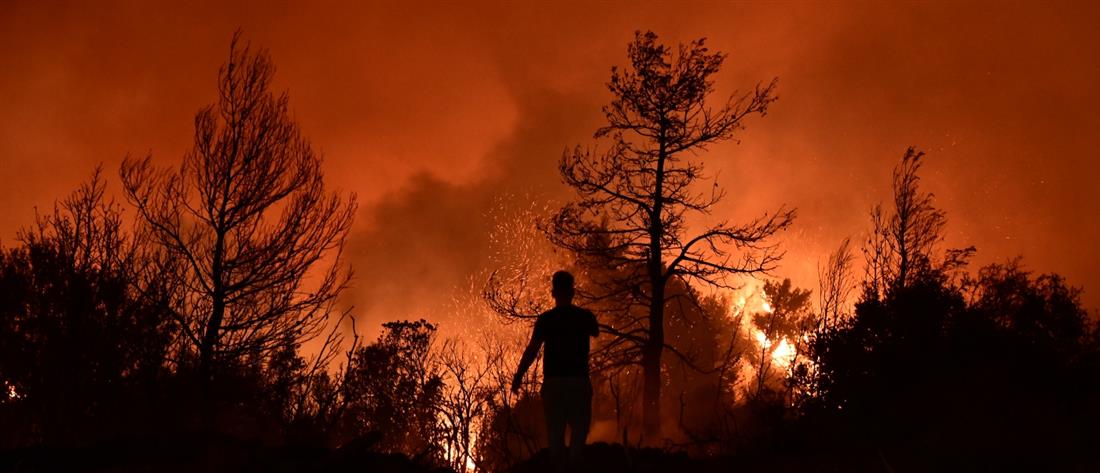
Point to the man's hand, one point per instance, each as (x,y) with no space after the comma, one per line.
(529,355)
(517,381)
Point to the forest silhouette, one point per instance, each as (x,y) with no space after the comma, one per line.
(196,324)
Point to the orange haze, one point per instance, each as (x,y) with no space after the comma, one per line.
(431,112)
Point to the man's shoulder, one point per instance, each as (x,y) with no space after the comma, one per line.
(574,310)
(584,312)
(545,315)
(571,312)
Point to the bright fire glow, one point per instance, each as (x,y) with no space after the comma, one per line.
(762,339)
(782,355)
(753,300)
(453,451)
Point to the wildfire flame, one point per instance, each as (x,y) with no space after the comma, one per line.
(784,352)
(753,300)
(454,452)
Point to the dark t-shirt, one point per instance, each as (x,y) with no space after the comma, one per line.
(565,331)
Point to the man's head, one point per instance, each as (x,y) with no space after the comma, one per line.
(562,288)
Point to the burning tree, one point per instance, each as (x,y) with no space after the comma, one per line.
(779,329)
(635,197)
(246,222)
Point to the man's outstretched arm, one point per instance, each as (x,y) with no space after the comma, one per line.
(528,357)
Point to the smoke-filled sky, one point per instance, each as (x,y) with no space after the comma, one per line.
(438,114)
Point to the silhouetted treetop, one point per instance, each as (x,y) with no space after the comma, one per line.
(634,197)
(664,95)
(245,221)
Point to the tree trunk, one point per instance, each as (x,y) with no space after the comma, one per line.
(651,368)
(206,366)
(210,337)
(655,342)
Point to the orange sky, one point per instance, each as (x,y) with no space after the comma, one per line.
(430,112)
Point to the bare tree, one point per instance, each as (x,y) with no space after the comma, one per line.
(635,197)
(247,221)
(902,242)
(835,284)
(470,395)
(505,431)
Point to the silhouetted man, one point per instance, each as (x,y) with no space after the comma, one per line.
(566,390)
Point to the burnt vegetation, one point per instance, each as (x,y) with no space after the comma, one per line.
(202,332)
